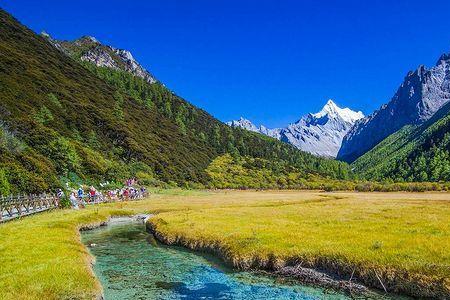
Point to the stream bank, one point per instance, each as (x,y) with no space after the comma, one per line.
(131,264)
(323,276)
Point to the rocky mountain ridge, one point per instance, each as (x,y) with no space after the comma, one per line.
(422,93)
(88,48)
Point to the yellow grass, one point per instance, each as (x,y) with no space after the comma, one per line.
(403,238)
(41,257)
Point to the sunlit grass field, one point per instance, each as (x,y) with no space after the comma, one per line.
(396,234)
(404,239)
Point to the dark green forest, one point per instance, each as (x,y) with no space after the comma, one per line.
(414,153)
(62,120)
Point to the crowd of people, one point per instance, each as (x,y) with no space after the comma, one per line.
(80,198)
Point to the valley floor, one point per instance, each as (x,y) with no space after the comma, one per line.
(400,239)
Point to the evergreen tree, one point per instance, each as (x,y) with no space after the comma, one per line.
(5,187)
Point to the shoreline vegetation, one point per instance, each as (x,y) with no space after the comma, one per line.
(401,236)
(301,274)
(384,246)
(237,172)
(309,276)
(323,272)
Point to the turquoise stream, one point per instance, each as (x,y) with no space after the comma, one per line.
(130,264)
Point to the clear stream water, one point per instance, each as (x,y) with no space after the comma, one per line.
(130,264)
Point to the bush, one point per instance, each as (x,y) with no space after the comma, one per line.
(5,187)
(9,142)
(190,185)
(146,179)
(54,100)
(64,202)
(65,156)
(44,115)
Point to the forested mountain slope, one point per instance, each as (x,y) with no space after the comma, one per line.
(65,119)
(414,153)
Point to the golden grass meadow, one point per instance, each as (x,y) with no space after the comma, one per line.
(402,238)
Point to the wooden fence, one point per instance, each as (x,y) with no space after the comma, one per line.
(12,207)
(21,205)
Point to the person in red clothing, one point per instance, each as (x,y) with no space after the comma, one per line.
(92,193)
(126,193)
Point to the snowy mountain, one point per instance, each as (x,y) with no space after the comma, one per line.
(320,133)
(422,93)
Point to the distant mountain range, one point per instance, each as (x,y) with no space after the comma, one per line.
(408,118)
(317,133)
(349,136)
(413,153)
(393,142)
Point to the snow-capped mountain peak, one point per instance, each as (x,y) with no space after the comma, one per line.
(331,110)
(319,133)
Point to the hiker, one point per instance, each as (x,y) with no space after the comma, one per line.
(99,197)
(143,191)
(80,194)
(125,194)
(59,196)
(114,195)
(92,193)
(73,200)
(109,194)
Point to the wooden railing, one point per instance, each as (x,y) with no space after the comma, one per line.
(12,207)
(21,205)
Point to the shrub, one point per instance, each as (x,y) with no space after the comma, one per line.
(43,116)
(9,142)
(65,156)
(146,178)
(54,100)
(5,187)
(64,202)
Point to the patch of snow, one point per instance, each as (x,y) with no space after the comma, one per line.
(333,111)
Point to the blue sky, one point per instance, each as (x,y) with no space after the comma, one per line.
(270,61)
